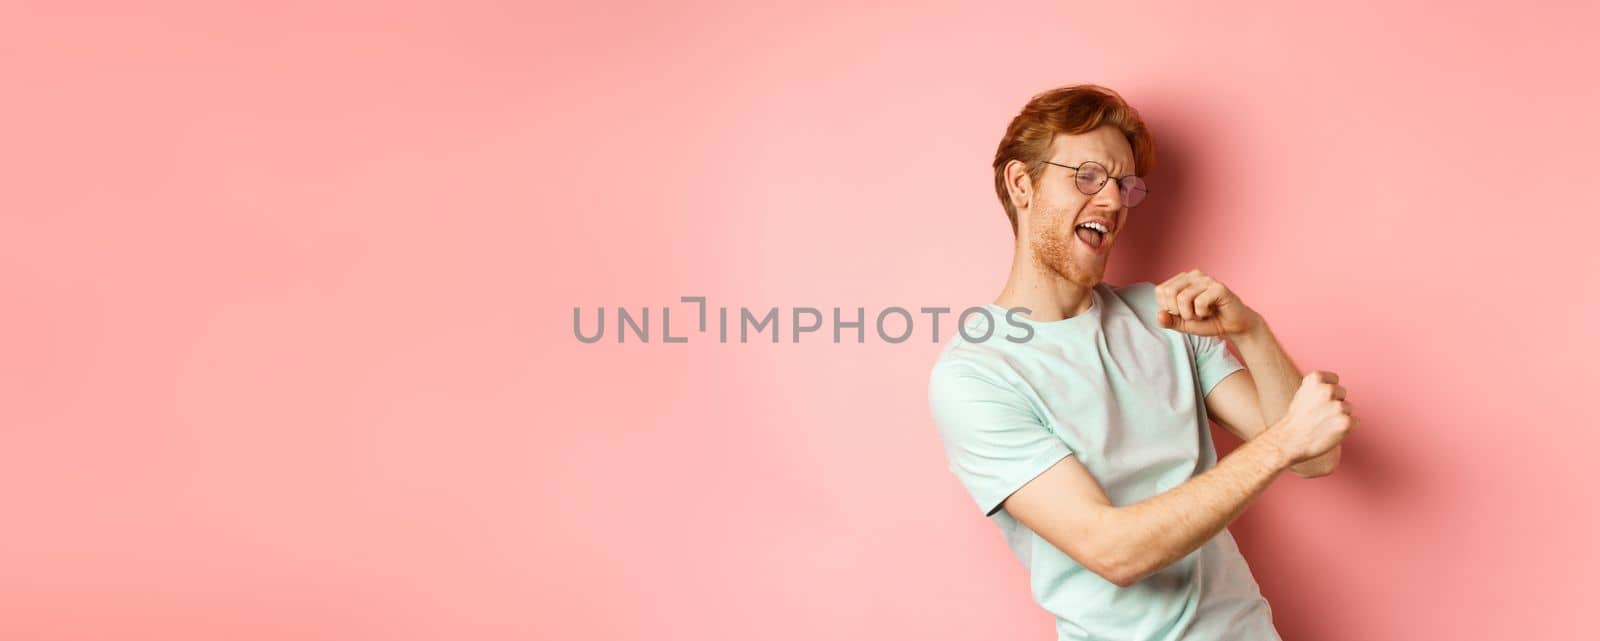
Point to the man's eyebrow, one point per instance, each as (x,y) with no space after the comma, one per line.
(1110,170)
(1103,163)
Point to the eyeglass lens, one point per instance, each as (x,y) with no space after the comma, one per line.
(1092,176)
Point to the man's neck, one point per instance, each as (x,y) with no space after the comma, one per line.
(1046,293)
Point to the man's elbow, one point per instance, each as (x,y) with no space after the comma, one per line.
(1120,574)
(1109,545)
(1318,467)
(1120,564)
(1124,579)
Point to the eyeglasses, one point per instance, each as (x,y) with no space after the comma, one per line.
(1091,177)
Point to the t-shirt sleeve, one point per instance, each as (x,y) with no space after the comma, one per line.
(993,440)
(1213,361)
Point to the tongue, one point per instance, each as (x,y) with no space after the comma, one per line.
(1090,236)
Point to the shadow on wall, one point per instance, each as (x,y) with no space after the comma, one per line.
(1285,567)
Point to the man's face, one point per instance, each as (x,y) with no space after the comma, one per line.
(1059,210)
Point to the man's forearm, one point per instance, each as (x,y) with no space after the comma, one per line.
(1275,373)
(1153,533)
(1277,378)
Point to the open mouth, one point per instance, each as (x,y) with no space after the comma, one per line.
(1092,234)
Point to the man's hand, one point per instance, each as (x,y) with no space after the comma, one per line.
(1317,420)
(1194,303)
(1304,420)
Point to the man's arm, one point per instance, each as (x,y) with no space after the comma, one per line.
(1068,508)
(1246,402)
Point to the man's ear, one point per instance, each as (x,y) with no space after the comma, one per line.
(1018,185)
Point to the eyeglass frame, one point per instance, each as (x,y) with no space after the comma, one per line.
(1102,186)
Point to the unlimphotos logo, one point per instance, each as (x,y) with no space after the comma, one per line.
(892,324)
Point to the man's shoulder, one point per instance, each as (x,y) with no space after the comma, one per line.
(972,378)
(965,360)
(962,357)
(1140,295)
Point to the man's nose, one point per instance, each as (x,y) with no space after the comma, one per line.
(1109,196)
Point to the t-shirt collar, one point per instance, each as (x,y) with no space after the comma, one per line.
(1088,318)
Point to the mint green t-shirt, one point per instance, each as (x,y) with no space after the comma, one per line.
(1127,397)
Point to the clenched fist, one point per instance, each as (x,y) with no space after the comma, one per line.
(1317,420)
(1194,303)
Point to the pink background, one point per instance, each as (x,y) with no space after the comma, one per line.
(288,298)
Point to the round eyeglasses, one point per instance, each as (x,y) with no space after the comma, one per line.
(1091,177)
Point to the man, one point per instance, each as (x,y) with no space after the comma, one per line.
(1088,444)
